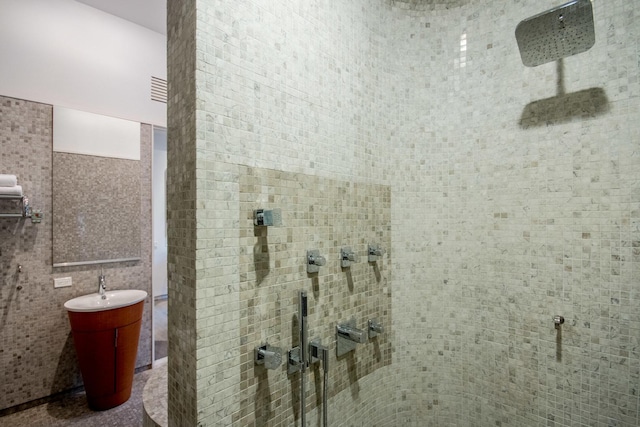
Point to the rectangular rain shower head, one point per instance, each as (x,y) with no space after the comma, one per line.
(557,33)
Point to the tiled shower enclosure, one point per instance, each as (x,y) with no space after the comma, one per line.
(514,196)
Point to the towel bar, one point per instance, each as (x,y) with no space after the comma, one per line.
(25,209)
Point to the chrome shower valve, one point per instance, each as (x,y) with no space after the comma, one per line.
(315,261)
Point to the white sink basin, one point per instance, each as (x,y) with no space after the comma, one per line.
(114,299)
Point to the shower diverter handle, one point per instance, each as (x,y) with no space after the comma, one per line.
(268,356)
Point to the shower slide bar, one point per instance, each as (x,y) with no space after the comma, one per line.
(300,357)
(302,320)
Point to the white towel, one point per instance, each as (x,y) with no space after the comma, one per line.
(16,190)
(8,180)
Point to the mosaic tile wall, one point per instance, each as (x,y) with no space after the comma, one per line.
(89,223)
(529,198)
(322,214)
(263,106)
(36,348)
(181,211)
(510,204)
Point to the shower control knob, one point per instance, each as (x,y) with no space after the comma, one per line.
(375,328)
(347,256)
(315,261)
(557,321)
(375,252)
(270,357)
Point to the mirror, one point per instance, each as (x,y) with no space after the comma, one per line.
(96,188)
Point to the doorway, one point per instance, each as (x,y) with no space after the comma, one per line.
(159,258)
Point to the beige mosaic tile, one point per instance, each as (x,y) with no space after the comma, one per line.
(320,214)
(513,197)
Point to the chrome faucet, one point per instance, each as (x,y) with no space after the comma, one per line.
(348,336)
(102,286)
(351,333)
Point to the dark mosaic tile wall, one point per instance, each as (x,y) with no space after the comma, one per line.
(181,213)
(37,357)
(318,213)
(89,223)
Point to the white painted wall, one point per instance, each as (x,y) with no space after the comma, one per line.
(91,134)
(66,53)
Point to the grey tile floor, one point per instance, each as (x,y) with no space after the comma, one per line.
(72,409)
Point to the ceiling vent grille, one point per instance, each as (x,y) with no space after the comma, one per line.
(158,89)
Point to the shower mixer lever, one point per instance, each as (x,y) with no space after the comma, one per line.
(375,328)
(315,261)
(270,357)
(347,256)
(375,252)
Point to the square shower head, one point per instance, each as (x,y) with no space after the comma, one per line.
(557,33)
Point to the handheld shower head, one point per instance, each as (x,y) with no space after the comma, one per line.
(302,320)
